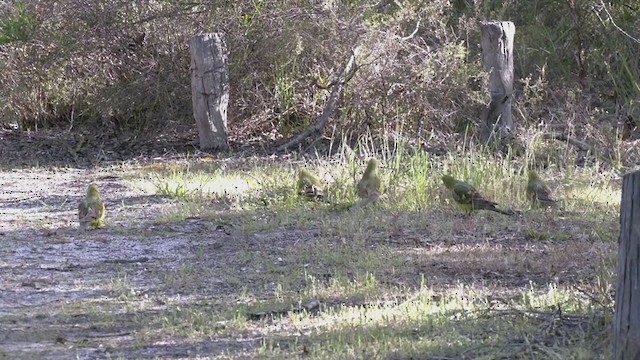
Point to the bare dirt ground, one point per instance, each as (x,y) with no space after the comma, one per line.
(65,294)
(46,264)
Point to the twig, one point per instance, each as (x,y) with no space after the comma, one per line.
(415,31)
(603,6)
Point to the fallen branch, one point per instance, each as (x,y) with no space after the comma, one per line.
(573,141)
(328,109)
(127,261)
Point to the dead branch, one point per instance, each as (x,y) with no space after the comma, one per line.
(571,140)
(415,31)
(328,108)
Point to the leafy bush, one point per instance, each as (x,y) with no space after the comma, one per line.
(124,66)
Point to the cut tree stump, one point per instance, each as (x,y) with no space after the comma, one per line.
(626,325)
(497,58)
(210,89)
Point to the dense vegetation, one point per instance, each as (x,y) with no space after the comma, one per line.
(123,67)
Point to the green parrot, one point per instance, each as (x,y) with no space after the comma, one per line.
(469,198)
(309,185)
(538,192)
(91,210)
(369,188)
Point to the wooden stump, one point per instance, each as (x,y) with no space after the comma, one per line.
(210,89)
(497,57)
(626,325)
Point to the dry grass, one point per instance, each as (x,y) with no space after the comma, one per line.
(192,264)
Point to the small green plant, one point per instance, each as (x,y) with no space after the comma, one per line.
(17,27)
(177,191)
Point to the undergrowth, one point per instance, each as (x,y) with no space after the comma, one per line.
(368,268)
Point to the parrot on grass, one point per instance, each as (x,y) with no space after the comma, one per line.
(538,192)
(369,188)
(469,198)
(309,185)
(91,210)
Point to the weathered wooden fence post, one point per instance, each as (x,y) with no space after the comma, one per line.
(210,89)
(626,325)
(496,38)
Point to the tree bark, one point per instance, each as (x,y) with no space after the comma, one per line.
(497,57)
(210,89)
(626,325)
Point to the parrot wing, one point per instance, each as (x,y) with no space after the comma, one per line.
(309,186)
(466,195)
(370,188)
(91,212)
(540,193)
